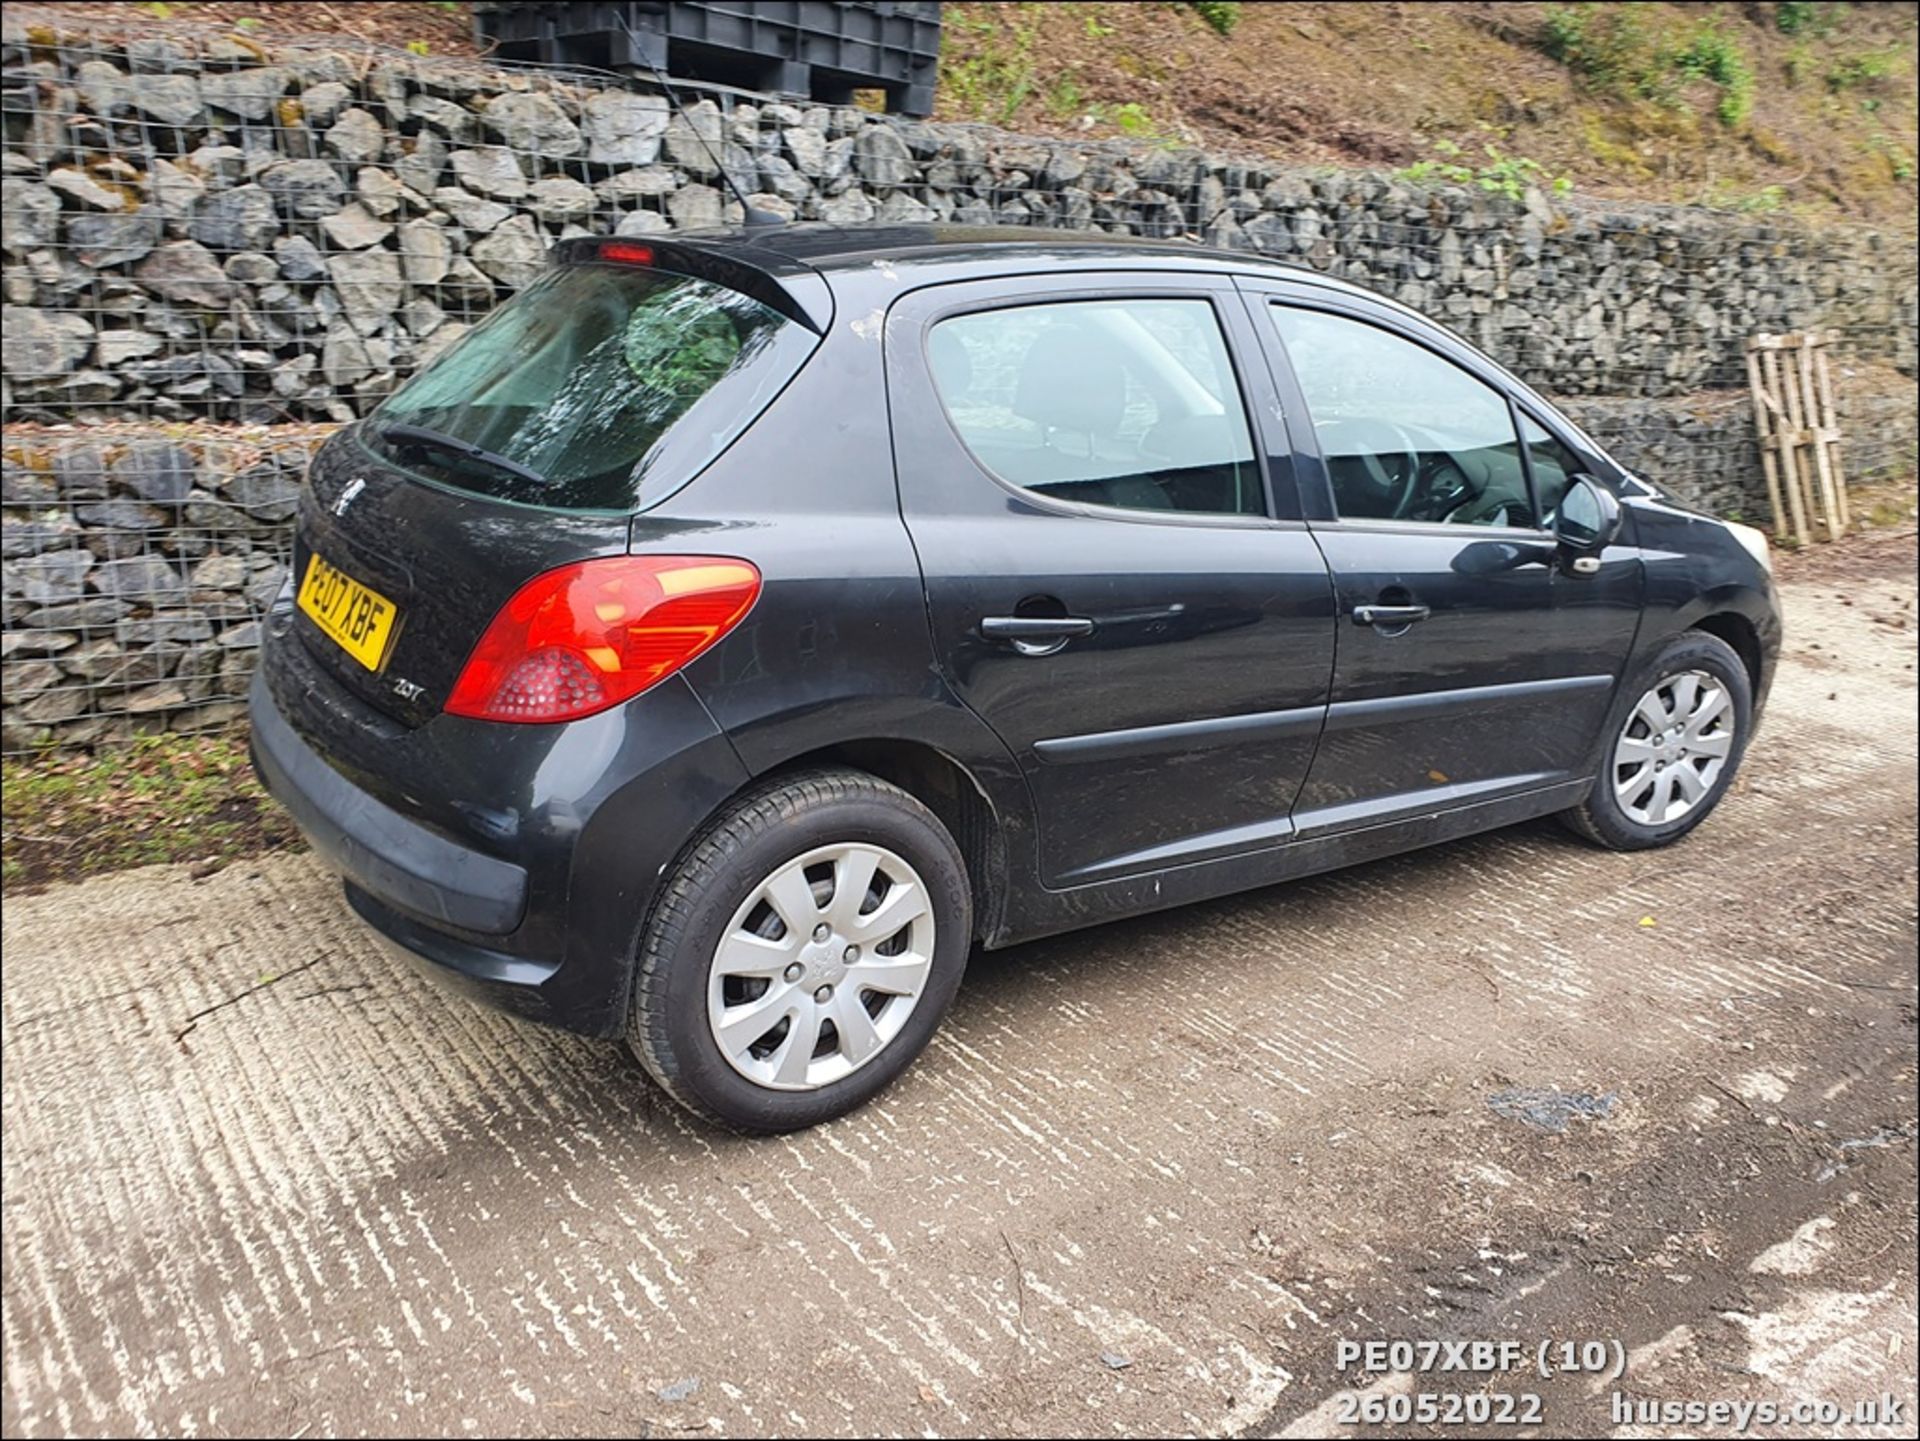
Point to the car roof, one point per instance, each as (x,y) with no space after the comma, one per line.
(961,248)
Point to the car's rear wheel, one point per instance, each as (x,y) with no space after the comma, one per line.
(1672,746)
(802,952)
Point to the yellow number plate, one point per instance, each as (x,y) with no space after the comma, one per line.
(356,617)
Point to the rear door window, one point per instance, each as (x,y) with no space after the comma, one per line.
(598,386)
(1124,403)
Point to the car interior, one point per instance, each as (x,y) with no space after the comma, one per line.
(1093,403)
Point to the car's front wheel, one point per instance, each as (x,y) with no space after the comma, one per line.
(802,953)
(1672,746)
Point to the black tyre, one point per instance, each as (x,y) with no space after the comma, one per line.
(802,953)
(1671,747)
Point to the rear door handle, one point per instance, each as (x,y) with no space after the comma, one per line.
(1390,616)
(1036,635)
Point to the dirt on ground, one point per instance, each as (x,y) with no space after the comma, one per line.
(1828,127)
(262,1178)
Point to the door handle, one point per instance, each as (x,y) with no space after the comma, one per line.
(1389,616)
(1036,635)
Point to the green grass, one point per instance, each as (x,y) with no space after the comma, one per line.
(1614,50)
(162,798)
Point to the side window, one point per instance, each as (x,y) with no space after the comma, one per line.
(1405,434)
(1127,403)
(1554,466)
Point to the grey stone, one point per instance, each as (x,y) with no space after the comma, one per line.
(380,192)
(623,129)
(304,189)
(354,228)
(219,572)
(105,90)
(321,103)
(356,137)
(156,470)
(221,165)
(250,267)
(560,197)
(49,578)
(641,222)
(38,642)
(850,208)
(491,171)
(29,215)
(31,534)
(451,120)
(87,613)
(168,99)
(175,190)
(465,284)
(21,485)
(163,628)
(42,344)
(186,272)
(533,125)
(696,207)
(425,253)
(266,494)
(368,283)
(513,253)
(299,258)
(81,470)
(900,208)
(344,359)
(249,94)
(116,347)
(637,184)
(473,214)
(101,661)
(82,188)
(808,147)
(882,157)
(780,178)
(100,241)
(239,219)
(693,140)
(423,157)
(122,515)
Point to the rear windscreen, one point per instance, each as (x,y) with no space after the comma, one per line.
(597,379)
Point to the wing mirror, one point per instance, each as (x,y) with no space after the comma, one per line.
(1588,522)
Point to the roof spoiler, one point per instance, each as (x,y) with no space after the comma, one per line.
(773,285)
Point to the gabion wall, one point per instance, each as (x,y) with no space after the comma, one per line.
(201,231)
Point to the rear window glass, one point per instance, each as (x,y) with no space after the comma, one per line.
(598,387)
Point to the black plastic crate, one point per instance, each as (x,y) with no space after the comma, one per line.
(813,49)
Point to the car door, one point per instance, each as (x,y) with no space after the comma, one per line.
(1470,662)
(1111,583)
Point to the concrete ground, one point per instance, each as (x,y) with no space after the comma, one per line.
(260,1179)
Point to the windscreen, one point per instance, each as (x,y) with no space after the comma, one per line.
(598,386)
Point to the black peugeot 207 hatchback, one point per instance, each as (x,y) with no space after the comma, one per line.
(730,632)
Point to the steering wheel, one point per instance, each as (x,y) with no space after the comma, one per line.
(1478,509)
(1385,452)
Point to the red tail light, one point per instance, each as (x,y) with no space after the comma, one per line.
(626,253)
(590,635)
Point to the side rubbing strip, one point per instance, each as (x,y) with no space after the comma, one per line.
(1434,704)
(1180,736)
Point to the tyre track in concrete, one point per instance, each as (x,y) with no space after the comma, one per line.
(1189,1144)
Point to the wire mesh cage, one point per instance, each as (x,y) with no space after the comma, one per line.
(212,250)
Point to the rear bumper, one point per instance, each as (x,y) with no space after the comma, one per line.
(375,847)
(516,862)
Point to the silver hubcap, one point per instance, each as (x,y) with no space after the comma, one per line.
(821,967)
(1676,742)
